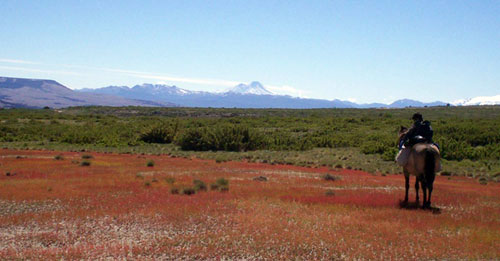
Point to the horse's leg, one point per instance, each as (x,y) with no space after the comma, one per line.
(407,186)
(429,187)
(416,190)
(424,190)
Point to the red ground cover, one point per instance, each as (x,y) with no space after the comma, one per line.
(120,208)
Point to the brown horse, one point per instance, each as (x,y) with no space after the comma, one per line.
(423,161)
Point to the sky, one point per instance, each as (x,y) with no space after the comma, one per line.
(362,51)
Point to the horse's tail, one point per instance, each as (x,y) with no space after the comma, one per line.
(430,165)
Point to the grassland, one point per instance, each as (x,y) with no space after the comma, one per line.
(120,207)
(349,138)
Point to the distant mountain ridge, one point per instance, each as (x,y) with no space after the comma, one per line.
(252,95)
(39,93)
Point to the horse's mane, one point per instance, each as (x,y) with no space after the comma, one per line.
(402,131)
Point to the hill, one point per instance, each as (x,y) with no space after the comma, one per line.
(38,93)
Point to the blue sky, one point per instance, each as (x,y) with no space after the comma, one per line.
(366,51)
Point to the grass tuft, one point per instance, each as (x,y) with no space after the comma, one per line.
(330,193)
(87,156)
(85,163)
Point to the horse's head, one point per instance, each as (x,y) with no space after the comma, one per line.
(402,131)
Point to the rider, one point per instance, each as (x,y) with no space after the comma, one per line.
(421,131)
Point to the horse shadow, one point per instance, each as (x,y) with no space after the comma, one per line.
(417,206)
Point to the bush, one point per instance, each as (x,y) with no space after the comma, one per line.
(329,177)
(170,180)
(220,184)
(226,138)
(174,191)
(59,157)
(87,156)
(85,163)
(150,163)
(390,154)
(199,185)
(161,133)
(483,180)
(188,191)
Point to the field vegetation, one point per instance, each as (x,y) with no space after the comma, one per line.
(186,209)
(349,138)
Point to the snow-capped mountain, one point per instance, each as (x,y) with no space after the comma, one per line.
(255,88)
(252,95)
(481,100)
(156,89)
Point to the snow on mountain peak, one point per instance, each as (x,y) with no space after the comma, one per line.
(480,100)
(255,88)
(162,89)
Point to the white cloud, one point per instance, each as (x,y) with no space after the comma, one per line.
(287,90)
(16,61)
(12,68)
(214,82)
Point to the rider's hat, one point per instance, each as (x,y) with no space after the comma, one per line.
(417,117)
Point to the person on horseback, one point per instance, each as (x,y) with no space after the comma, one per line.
(419,156)
(420,132)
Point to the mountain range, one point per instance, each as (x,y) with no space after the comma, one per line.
(33,93)
(37,93)
(252,95)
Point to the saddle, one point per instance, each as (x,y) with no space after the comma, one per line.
(417,139)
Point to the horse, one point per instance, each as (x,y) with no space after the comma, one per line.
(423,161)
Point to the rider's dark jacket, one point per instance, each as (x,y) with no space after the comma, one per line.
(419,128)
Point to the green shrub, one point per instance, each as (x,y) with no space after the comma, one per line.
(329,177)
(188,191)
(199,185)
(483,180)
(59,157)
(85,163)
(390,154)
(87,156)
(161,133)
(221,182)
(226,138)
(150,163)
